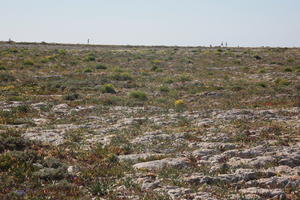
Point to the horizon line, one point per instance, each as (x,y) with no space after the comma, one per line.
(135,45)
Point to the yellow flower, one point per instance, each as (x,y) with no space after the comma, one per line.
(179,103)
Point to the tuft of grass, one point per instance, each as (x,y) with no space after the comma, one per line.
(101,66)
(282,82)
(164,89)
(90,57)
(257,57)
(100,188)
(7,78)
(262,84)
(71,97)
(87,70)
(28,62)
(2,67)
(121,76)
(108,88)
(288,69)
(139,95)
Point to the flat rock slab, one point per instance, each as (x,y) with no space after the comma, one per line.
(160,164)
(137,157)
(266,193)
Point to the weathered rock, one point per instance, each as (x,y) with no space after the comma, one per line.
(150,137)
(292,160)
(137,157)
(266,193)
(177,192)
(160,164)
(60,108)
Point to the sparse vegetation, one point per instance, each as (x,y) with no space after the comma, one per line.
(108,88)
(138,95)
(92,122)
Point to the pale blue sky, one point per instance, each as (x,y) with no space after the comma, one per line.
(153,22)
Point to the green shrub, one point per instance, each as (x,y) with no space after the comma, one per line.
(138,95)
(257,57)
(7,78)
(118,69)
(282,82)
(87,70)
(262,84)
(22,108)
(101,66)
(90,57)
(164,89)
(156,69)
(169,80)
(71,97)
(62,51)
(108,88)
(262,71)
(184,78)
(2,67)
(112,100)
(100,188)
(121,76)
(28,62)
(288,69)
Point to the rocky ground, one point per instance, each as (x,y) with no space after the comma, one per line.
(92,122)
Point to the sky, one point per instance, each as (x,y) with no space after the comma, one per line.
(153,22)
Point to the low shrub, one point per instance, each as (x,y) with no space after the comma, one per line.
(71,97)
(28,62)
(101,66)
(90,57)
(288,69)
(2,67)
(121,76)
(138,95)
(7,78)
(87,70)
(108,88)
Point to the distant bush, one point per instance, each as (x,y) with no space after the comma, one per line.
(156,69)
(184,78)
(87,70)
(99,188)
(121,76)
(22,108)
(108,88)
(257,57)
(111,100)
(282,82)
(118,69)
(262,84)
(71,97)
(7,78)
(2,67)
(90,57)
(101,66)
(62,51)
(288,69)
(138,95)
(28,62)
(169,80)
(262,71)
(164,89)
